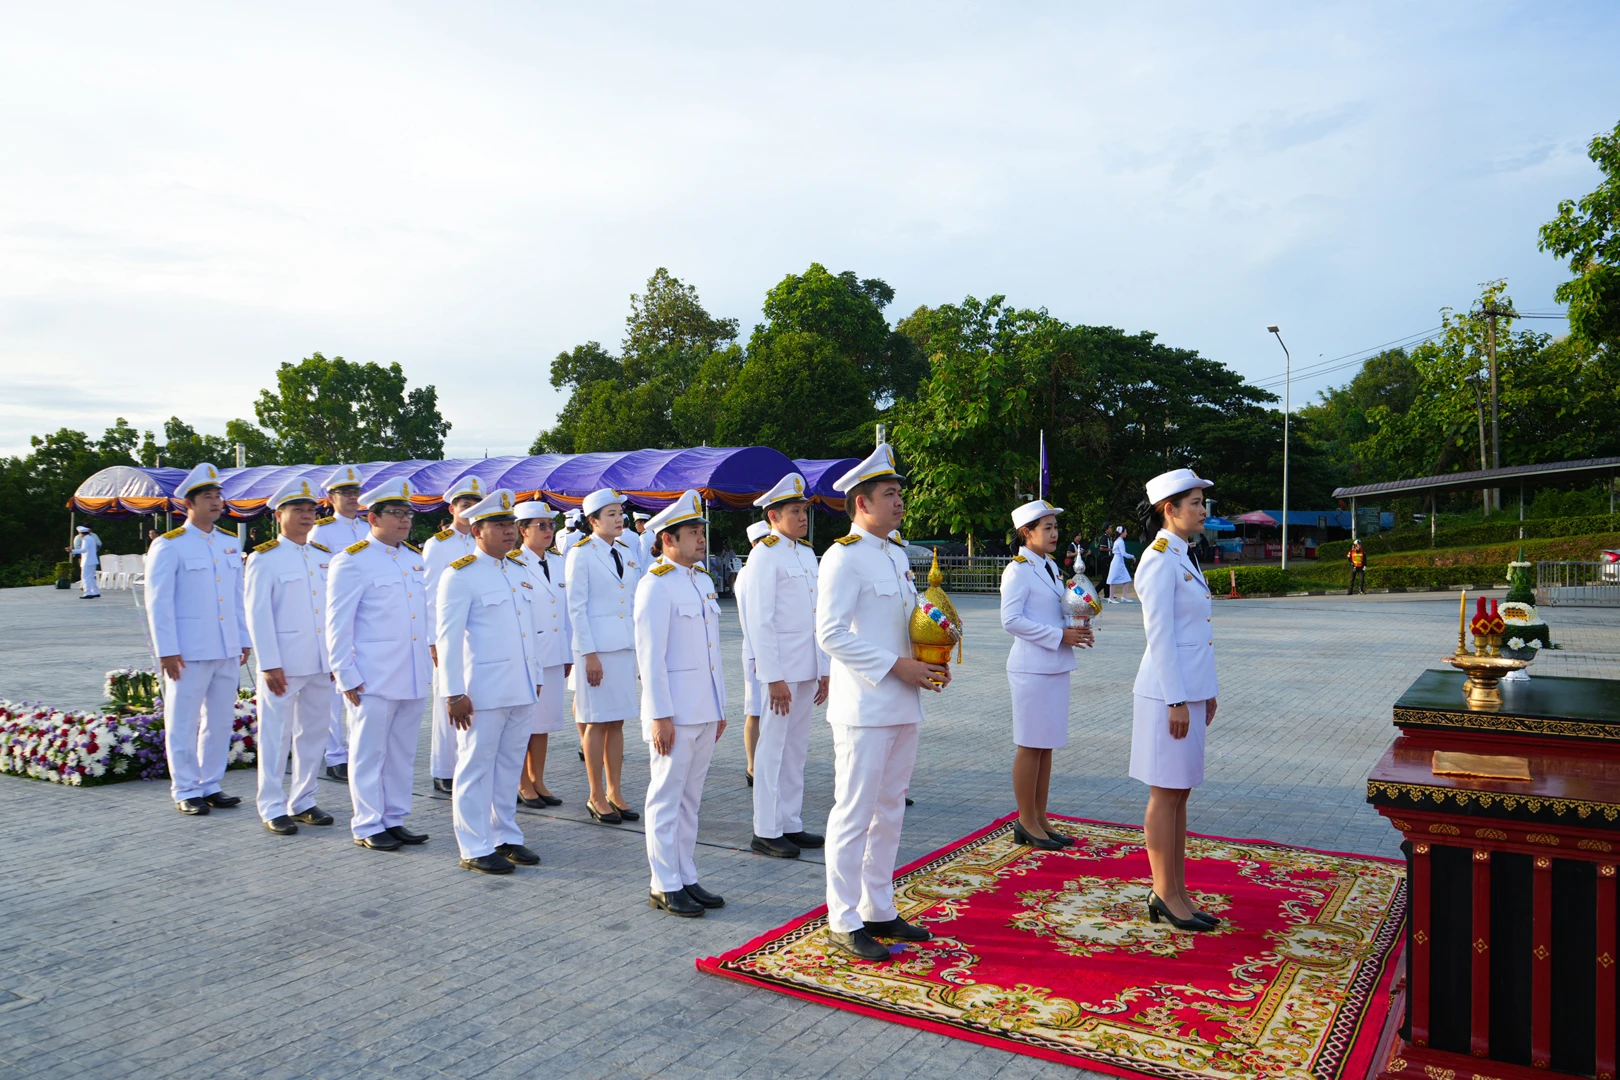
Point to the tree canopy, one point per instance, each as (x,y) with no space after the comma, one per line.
(329,411)
(1586,232)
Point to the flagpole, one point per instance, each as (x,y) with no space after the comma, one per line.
(1041,483)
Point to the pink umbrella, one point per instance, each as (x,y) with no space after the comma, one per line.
(1256,517)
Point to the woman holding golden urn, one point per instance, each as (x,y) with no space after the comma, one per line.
(1038,667)
(1175,687)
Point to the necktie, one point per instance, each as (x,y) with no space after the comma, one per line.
(618,563)
(545,568)
(1049,572)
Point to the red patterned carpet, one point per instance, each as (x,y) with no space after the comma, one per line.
(1052,954)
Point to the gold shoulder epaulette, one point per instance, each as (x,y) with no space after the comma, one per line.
(172,533)
(852,538)
(517,557)
(320,547)
(661,569)
(1160,544)
(326,520)
(266,546)
(411,546)
(898,541)
(465,560)
(444,534)
(357,546)
(769,539)
(1019,558)
(805,542)
(582,541)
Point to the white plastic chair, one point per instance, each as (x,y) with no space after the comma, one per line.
(132,572)
(106,570)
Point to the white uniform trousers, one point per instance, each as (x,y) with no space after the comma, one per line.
(87,576)
(489,759)
(337,739)
(872,772)
(779,762)
(382,762)
(674,793)
(442,743)
(298,721)
(199,711)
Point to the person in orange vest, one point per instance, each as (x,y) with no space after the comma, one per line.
(1358,568)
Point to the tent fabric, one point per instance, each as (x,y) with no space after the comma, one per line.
(1219,524)
(728,478)
(1255,517)
(819,474)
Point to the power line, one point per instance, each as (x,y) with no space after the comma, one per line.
(1351,359)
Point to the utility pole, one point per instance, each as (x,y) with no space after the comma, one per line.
(1288,375)
(1479,412)
(1492,313)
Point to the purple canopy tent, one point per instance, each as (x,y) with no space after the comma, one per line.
(819,474)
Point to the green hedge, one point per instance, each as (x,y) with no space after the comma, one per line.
(1499,531)
(1250,579)
(1272,579)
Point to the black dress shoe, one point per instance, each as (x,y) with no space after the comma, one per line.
(192,806)
(705,897)
(338,772)
(1157,908)
(610,818)
(859,944)
(442,786)
(678,903)
(625,813)
(806,839)
(519,854)
(221,801)
(1204,916)
(382,841)
(749,777)
(910,801)
(536,803)
(777,847)
(313,816)
(281,825)
(899,929)
(405,836)
(1024,837)
(552,800)
(488,864)
(1062,838)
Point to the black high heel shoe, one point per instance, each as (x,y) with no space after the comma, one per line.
(1207,917)
(1062,838)
(1023,836)
(1156,908)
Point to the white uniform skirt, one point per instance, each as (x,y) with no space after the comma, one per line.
(619,696)
(1117,574)
(549,714)
(754,698)
(1040,709)
(1158,760)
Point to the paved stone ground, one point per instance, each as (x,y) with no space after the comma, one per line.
(141,943)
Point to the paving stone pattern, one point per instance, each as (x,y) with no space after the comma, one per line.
(140,943)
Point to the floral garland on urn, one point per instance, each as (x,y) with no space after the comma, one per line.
(1524,634)
(132,691)
(82,749)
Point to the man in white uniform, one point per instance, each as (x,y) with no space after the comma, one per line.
(753,696)
(485,643)
(87,546)
(683,701)
(194,605)
(346,526)
(286,598)
(643,540)
(779,608)
(377,636)
(443,548)
(874,705)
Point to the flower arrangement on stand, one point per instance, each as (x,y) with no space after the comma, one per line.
(88,748)
(132,691)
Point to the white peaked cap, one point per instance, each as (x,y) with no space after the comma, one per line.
(396,490)
(466,484)
(757,531)
(1034,511)
(879,463)
(201,475)
(689,507)
(598,499)
(292,491)
(534,509)
(497,504)
(788,489)
(1174,482)
(343,476)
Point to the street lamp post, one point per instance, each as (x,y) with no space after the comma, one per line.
(1288,375)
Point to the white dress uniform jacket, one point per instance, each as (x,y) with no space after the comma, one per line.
(554,642)
(442,548)
(753,703)
(1032,612)
(336,533)
(779,611)
(863,618)
(377,632)
(87,546)
(601,603)
(194,594)
(1179,663)
(485,633)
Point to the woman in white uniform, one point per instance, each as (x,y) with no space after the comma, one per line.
(753,693)
(553,643)
(602,576)
(1118,575)
(1038,668)
(1175,687)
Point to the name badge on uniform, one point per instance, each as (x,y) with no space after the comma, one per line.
(418,569)
(712,596)
(525,584)
(1186,576)
(230,551)
(910,576)
(325,566)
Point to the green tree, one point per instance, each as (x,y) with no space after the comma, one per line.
(328,411)
(1586,232)
(799,393)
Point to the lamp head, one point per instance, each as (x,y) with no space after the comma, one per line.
(1271,329)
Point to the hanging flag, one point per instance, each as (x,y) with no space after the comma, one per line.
(1046,475)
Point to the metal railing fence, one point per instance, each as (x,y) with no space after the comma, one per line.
(965,573)
(1578,584)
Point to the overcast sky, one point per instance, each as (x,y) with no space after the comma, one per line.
(191,195)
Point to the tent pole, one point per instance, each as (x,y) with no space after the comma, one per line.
(1431,519)
(1352,517)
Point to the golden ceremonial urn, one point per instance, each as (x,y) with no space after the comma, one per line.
(935,627)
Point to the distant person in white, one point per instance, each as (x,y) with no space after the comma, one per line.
(194,604)
(286,602)
(443,548)
(346,525)
(1119,576)
(492,677)
(553,643)
(87,546)
(753,695)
